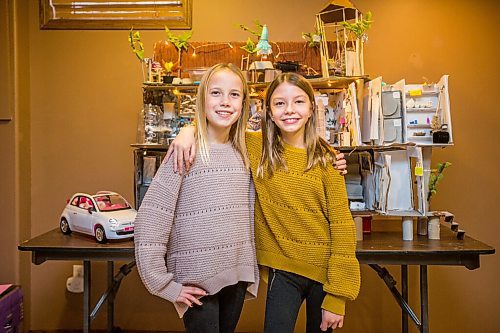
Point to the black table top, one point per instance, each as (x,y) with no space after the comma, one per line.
(378,247)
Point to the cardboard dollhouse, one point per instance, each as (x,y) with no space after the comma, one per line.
(390,139)
(346,57)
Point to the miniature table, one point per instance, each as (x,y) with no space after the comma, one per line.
(377,248)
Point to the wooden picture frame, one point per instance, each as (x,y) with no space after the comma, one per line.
(115,15)
(7,58)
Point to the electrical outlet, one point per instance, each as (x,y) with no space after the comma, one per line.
(74,283)
(78,270)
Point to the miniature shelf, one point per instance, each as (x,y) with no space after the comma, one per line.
(152,146)
(423,110)
(419,126)
(424,93)
(319,83)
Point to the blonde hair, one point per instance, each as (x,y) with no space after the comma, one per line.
(237,131)
(318,150)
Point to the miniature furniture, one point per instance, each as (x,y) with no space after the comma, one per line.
(378,248)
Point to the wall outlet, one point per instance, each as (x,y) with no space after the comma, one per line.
(74,283)
(78,270)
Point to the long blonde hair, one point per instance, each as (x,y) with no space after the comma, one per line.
(318,150)
(237,131)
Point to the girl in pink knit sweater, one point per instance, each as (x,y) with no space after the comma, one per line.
(194,237)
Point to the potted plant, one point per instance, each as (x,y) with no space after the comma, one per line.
(134,38)
(181,43)
(313,38)
(168,67)
(358,30)
(435,177)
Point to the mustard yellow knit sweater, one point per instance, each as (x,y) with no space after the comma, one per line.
(303,224)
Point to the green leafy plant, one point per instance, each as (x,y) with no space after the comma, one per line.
(181,43)
(313,38)
(168,66)
(249,46)
(435,177)
(256,33)
(359,28)
(134,38)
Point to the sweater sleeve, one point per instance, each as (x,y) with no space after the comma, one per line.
(153,225)
(343,282)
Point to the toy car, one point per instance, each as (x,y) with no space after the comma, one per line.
(105,215)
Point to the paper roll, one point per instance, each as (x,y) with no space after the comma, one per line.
(433,228)
(407,228)
(422,226)
(358,223)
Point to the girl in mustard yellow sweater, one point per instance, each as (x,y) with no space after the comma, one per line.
(303,227)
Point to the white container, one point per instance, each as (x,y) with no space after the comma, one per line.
(407,228)
(433,228)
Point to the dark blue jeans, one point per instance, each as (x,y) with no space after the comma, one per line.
(219,313)
(285,293)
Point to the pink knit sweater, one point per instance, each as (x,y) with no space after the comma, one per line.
(197,229)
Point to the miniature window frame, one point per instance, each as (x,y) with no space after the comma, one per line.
(111,15)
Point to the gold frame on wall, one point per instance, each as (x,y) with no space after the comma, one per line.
(115,15)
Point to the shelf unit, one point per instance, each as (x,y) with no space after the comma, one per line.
(148,157)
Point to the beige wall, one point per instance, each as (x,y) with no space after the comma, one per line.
(83,89)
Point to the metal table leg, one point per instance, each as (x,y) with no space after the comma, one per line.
(424,301)
(109,295)
(86,295)
(404,294)
(111,301)
(391,284)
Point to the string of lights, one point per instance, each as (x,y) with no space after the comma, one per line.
(195,48)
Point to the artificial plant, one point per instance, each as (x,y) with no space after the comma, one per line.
(168,67)
(181,43)
(134,38)
(250,46)
(313,38)
(358,29)
(435,177)
(256,33)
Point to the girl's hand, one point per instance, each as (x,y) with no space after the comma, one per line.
(190,295)
(183,149)
(340,164)
(329,319)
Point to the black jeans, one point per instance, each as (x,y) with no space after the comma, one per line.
(219,313)
(285,293)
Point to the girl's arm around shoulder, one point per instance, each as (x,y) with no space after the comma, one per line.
(182,150)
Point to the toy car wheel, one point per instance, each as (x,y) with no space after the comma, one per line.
(100,235)
(64,225)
